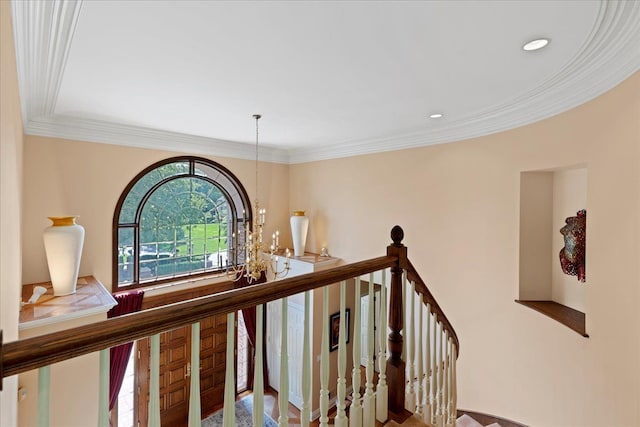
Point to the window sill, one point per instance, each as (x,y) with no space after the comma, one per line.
(572,319)
(180,285)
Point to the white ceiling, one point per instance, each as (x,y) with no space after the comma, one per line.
(331,79)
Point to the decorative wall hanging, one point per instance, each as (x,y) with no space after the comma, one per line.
(334,329)
(572,255)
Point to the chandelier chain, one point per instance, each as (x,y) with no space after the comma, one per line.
(257,117)
(257,259)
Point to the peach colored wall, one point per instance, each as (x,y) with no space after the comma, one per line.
(459,206)
(86,179)
(10,203)
(536,209)
(74,380)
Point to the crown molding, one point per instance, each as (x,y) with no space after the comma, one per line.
(609,55)
(66,127)
(43,32)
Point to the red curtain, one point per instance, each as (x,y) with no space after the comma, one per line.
(249,316)
(129,302)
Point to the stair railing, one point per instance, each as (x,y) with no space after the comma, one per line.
(431,391)
(430,388)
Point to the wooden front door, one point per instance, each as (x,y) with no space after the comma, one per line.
(176,371)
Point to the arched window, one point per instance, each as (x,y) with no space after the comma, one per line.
(178,217)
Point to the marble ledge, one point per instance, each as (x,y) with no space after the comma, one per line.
(91,298)
(310,258)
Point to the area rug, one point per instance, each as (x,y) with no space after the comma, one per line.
(244,418)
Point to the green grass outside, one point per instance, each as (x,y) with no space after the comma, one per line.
(202,234)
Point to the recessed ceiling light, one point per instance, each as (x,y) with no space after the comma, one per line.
(535,44)
(435,115)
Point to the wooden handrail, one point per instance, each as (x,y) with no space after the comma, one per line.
(427,298)
(32,353)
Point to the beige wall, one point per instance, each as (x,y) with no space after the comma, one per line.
(459,206)
(80,178)
(535,247)
(85,179)
(10,203)
(74,380)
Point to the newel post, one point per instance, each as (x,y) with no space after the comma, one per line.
(395,364)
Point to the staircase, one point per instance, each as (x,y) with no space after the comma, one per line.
(410,339)
(465,420)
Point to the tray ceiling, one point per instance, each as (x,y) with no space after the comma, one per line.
(331,79)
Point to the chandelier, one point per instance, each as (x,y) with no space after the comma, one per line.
(252,259)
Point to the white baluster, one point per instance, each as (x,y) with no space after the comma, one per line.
(426,416)
(445,378)
(195,418)
(341,417)
(434,371)
(229,411)
(154,382)
(454,383)
(355,411)
(103,393)
(305,411)
(450,409)
(283,394)
(324,361)
(44,385)
(406,295)
(419,409)
(382,392)
(369,405)
(258,372)
(409,340)
(439,418)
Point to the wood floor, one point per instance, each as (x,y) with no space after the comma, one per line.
(271,409)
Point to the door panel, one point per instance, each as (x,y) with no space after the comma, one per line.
(175,354)
(175,370)
(213,348)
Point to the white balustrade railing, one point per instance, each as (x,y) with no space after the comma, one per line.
(355,414)
(382,391)
(195,418)
(307,350)
(283,395)
(431,391)
(341,417)
(103,393)
(154,382)
(44,384)
(324,361)
(369,403)
(258,371)
(419,408)
(229,412)
(411,346)
(429,351)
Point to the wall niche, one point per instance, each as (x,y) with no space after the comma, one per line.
(547,198)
